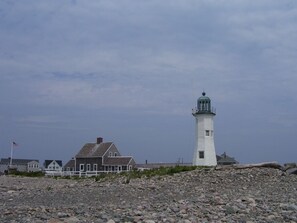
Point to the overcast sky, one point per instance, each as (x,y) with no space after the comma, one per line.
(131,71)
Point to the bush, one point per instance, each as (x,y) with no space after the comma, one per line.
(159,171)
(28,174)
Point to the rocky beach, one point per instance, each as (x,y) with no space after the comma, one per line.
(206,195)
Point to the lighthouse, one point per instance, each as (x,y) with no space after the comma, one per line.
(204,153)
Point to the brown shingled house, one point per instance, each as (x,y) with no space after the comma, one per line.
(100,156)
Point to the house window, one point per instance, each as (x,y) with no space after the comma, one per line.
(81,167)
(88,167)
(110,153)
(115,154)
(211,132)
(201,154)
(120,168)
(207,132)
(95,167)
(68,168)
(130,167)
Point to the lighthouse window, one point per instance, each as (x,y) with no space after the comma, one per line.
(201,154)
(207,132)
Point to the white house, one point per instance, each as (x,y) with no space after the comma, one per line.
(53,165)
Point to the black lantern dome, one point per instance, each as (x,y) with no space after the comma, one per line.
(204,105)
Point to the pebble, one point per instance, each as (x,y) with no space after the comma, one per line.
(230,195)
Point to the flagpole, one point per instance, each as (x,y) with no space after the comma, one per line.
(11,151)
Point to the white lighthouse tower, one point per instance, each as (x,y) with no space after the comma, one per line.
(204,153)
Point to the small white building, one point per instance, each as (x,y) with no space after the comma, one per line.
(204,153)
(33,166)
(53,165)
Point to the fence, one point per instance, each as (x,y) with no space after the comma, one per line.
(79,173)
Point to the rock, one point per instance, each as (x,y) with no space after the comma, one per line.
(230,210)
(292,207)
(53,220)
(256,165)
(270,217)
(71,220)
(290,165)
(62,215)
(292,171)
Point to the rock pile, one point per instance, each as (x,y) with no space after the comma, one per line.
(226,195)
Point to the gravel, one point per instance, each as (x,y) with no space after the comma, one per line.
(230,195)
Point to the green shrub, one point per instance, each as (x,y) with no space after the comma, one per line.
(162,171)
(28,174)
